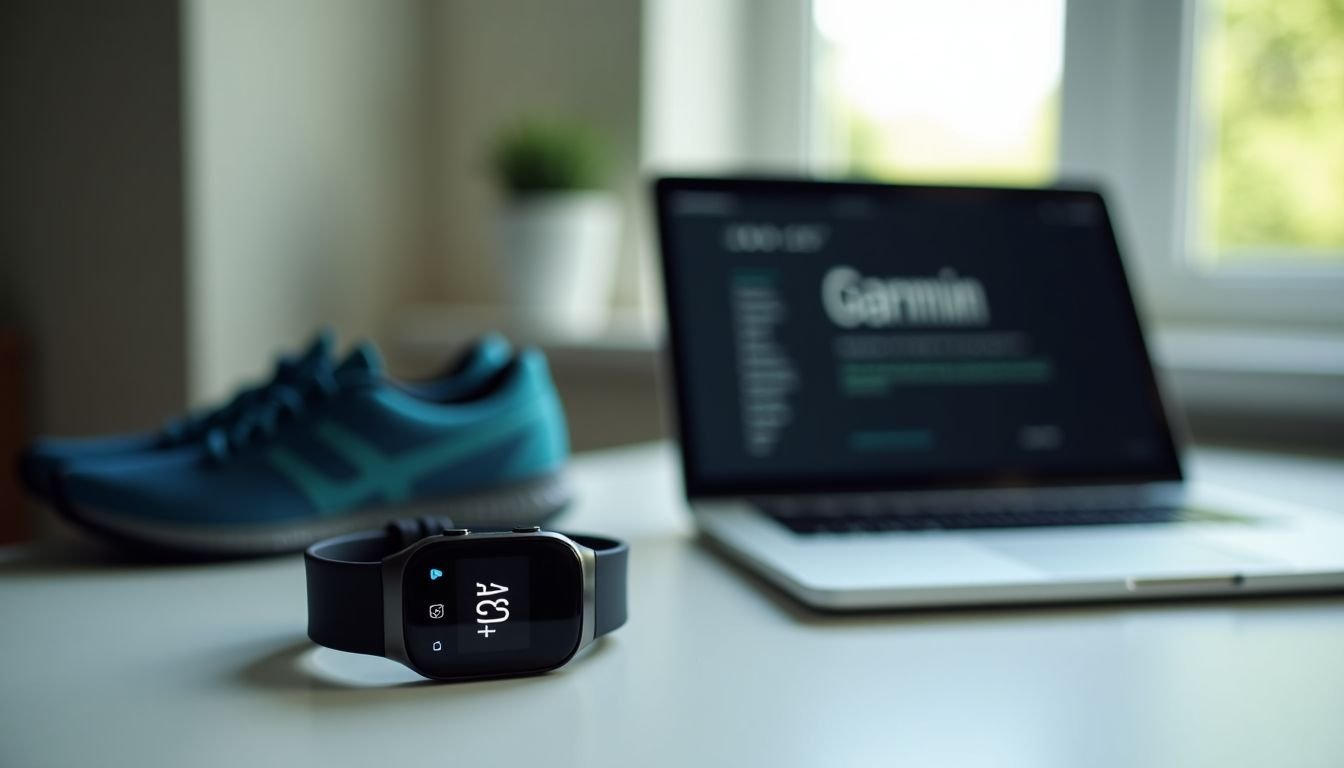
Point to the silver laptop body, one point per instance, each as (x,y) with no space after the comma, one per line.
(898,396)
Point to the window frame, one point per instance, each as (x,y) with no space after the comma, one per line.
(1126,121)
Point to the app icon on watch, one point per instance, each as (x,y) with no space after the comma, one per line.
(435,574)
(436,611)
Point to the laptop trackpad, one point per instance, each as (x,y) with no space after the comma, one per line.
(1116,554)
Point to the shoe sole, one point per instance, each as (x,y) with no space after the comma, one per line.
(531,502)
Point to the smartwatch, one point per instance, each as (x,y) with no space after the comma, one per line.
(454,604)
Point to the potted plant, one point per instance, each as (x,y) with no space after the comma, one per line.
(558,229)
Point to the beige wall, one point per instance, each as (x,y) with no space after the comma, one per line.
(495,61)
(190,186)
(305,125)
(337,155)
(722,85)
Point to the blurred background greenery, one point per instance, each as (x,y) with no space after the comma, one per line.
(981,104)
(1271,170)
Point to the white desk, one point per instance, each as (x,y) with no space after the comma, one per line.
(108,664)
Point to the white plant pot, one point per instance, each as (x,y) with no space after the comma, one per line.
(558,258)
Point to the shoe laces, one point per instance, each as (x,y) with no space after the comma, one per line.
(290,374)
(260,420)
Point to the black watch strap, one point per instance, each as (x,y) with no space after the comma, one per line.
(609,579)
(345,583)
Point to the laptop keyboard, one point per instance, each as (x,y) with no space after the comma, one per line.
(838,516)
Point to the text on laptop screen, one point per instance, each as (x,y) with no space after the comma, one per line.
(832,336)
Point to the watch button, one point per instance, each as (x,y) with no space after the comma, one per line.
(455,531)
(527,529)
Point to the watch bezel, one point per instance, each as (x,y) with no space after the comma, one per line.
(394,624)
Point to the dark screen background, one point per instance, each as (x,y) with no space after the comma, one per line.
(511,634)
(778,395)
(545,604)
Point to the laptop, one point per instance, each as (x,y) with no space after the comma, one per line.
(907,396)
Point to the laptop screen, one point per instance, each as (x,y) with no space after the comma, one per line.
(833,336)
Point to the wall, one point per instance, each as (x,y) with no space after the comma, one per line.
(691,101)
(723,86)
(91,237)
(190,186)
(307,189)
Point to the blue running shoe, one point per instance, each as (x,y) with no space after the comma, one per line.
(353,453)
(46,458)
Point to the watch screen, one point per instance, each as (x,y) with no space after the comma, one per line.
(475,606)
(492,605)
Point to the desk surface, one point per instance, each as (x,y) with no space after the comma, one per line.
(207,665)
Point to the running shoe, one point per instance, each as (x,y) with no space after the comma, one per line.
(353,452)
(47,457)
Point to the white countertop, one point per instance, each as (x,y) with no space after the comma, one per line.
(208,665)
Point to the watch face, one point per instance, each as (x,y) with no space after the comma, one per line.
(475,607)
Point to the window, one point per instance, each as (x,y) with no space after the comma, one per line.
(958,90)
(1140,112)
(1216,127)
(1268,125)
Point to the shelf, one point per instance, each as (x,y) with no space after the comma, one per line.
(1228,373)
(425,331)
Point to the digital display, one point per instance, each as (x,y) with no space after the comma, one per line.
(475,605)
(832,337)
(492,604)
